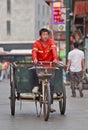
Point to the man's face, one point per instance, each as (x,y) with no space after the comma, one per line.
(44,36)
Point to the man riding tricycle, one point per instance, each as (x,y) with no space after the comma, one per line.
(42,78)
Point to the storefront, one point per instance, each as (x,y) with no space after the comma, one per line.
(79,21)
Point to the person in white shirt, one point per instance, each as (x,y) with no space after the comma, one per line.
(76,65)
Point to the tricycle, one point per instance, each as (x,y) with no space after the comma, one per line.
(22,83)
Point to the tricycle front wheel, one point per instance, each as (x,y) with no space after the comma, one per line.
(46,102)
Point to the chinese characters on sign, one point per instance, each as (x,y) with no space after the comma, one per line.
(58,12)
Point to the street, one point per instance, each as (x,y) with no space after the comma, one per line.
(76,116)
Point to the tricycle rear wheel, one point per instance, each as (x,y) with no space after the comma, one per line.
(62,102)
(12,99)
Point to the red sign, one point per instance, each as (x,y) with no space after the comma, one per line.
(59,13)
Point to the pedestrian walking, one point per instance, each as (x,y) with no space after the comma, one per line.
(76,65)
(4,70)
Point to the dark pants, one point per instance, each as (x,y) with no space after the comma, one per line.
(36,83)
(76,78)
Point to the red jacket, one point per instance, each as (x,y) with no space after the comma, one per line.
(46,52)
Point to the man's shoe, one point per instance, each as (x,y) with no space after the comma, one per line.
(52,110)
(81,93)
(73,95)
(35,89)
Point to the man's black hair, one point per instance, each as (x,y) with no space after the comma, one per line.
(76,44)
(44,30)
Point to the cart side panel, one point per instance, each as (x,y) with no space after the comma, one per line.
(58,80)
(24,80)
(86,53)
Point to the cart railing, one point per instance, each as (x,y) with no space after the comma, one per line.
(40,64)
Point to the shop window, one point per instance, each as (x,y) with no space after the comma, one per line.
(8,6)
(8,27)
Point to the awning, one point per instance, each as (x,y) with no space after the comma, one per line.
(48,1)
(81,8)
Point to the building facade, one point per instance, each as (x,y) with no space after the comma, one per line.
(80,18)
(21,20)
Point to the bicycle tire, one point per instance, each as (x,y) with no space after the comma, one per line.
(62,102)
(12,99)
(47,102)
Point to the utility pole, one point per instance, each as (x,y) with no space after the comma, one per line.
(68,10)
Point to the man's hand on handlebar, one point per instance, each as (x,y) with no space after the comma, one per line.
(55,61)
(35,61)
(41,62)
